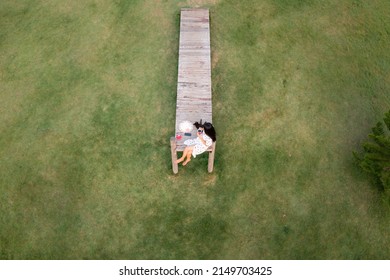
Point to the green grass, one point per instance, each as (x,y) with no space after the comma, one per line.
(88,91)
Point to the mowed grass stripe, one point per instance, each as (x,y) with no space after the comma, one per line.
(88,93)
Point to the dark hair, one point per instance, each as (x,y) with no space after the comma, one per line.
(208,129)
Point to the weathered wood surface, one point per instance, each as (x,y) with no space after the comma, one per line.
(194,71)
(210,165)
(175,166)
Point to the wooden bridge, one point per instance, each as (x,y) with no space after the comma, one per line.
(194,78)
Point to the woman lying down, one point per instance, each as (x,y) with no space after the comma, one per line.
(206,136)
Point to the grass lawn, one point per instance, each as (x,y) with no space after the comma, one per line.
(87,107)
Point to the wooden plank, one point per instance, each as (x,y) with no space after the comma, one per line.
(194,70)
(175,167)
(210,166)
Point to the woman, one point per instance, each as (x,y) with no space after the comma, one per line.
(206,136)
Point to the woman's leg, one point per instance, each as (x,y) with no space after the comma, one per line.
(188,158)
(187,150)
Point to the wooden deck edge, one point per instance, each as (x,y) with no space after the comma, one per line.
(175,166)
(194,9)
(210,166)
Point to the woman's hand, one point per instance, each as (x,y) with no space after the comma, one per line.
(200,135)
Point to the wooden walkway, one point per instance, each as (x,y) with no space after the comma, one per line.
(194,77)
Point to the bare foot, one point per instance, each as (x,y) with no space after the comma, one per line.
(187,161)
(179,160)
